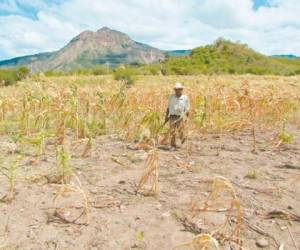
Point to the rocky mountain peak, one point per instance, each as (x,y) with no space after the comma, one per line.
(90,48)
(102,36)
(105,29)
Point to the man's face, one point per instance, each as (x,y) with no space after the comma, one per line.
(178,92)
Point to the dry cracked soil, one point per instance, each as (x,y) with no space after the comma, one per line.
(267,184)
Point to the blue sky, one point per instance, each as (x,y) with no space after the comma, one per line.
(259,3)
(269,26)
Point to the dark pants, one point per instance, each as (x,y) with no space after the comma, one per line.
(177,125)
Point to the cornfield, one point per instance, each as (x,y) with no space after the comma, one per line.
(66,112)
(50,107)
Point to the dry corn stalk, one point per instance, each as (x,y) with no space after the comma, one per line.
(116,160)
(235,212)
(201,242)
(164,139)
(216,105)
(183,164)
(144,145)
(87,149)
(220,187)
(151,173)
(71,188)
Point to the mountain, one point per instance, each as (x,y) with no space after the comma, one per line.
(25,60)
(286,56)
(178,53)
(228,57)
(105,46)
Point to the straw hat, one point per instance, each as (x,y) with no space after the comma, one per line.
(178,85)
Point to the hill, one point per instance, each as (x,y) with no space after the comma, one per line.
(227,57)
(26,60)
(110,47)
(105,46)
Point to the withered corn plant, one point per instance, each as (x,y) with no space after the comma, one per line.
(63,168)
(200,242)
(150,175)
(9,170)
(223,197)
(64,210)
(71,107)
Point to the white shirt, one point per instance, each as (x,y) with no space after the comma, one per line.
(178,105)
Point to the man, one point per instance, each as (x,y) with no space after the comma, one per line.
(177,113)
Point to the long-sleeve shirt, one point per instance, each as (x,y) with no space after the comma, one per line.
(178,105)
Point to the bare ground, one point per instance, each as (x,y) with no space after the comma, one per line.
(119,218)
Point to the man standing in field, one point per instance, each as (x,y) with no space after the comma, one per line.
(177,113)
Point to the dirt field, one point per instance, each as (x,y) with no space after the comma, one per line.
(121,219)
(98,206)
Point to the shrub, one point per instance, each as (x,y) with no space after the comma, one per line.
(297,72)
(22,72)
(81,71)
(100,70)
(54,73)
(12,76)
(7,78)
(124,74)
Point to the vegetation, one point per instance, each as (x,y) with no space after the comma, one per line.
(124,75)
(11,76)
(61,113)
(9,170)
(49,106)
(93,70)
(64,170)
(223,194)
(225,57)
(252,174)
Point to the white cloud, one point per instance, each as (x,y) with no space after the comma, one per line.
(166,24)
(8,5)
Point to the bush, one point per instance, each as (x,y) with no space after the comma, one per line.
(12,76)
(22,72)
(297,72)
(124,74)
(54,73)
(100,70)
(81,71)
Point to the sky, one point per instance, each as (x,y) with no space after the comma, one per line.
(268,26)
